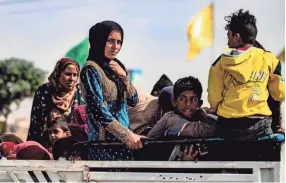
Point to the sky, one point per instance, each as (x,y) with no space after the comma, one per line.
(155,37)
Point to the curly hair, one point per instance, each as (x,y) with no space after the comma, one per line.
(243,23)
(188,84)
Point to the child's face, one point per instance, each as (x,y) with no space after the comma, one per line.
(187,103)
(56,132)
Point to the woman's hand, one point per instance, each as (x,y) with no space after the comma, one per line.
(117,69)
(134,141)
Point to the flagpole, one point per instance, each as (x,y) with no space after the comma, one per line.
(212,51)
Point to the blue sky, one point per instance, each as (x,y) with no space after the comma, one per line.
(155,32)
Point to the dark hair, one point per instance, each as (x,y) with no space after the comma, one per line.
(62,122)
(243,23)
(10,138)
(63,147)
(188,84)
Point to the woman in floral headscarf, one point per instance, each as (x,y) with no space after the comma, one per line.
(56,98)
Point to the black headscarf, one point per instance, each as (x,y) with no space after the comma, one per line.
(165,99)
(160,84)
(98,35)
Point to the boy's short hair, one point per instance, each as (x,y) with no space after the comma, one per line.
(188,84)
(243,23)
(62,122)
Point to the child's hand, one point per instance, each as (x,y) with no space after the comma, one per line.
(73,159)
(190,154)
(74,156)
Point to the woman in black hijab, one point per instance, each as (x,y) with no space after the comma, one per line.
(107,89)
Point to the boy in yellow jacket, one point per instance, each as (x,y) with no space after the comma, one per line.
(241,81)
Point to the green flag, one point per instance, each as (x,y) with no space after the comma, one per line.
(281,56)
(79,52)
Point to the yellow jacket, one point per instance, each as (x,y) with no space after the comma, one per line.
(240,82)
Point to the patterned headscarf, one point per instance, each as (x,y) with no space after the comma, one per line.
(61,99)
(59,68)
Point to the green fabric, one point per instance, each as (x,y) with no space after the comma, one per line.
(79,52)
(278,69)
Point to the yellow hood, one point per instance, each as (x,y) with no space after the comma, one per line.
(241,64)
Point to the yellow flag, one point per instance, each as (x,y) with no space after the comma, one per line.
(200,31)
(281,56)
